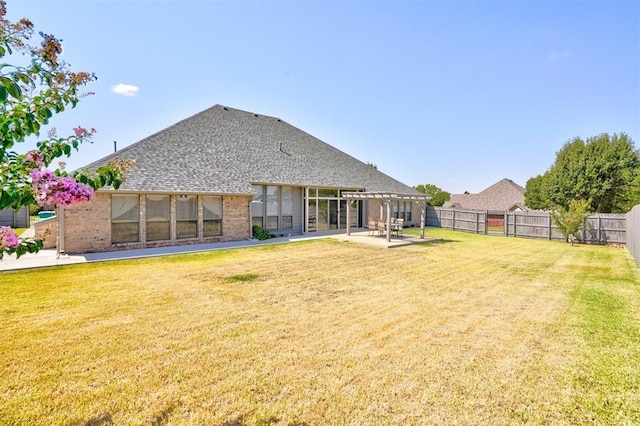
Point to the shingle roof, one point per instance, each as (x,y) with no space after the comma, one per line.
(502,195)
(225,150)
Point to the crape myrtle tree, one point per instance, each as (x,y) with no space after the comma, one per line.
(438,195)
(603,169)
(33,90)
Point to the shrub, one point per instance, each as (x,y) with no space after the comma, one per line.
(259,233)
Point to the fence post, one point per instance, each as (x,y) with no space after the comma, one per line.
(550,222)
(599,235)
(515,222)
(505,225)
(486,222)
(453,220)
(477,222)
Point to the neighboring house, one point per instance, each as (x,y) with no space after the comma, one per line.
(214,175)
(15,218)
(504,195)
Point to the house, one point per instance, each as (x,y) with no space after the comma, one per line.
(504,195)
(212,176)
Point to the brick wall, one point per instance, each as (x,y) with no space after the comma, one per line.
(235,217)
(88,225)
(47,229)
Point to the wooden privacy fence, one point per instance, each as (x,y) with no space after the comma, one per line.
(15,218)
(597,229)
(633,232)
(459,220)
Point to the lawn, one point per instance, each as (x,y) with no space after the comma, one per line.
(470,330)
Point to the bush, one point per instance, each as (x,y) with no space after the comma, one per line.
(570,221)
(259,233)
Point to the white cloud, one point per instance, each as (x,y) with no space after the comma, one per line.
(554,56)
(125,89)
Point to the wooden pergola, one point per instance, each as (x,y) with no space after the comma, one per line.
(386,198)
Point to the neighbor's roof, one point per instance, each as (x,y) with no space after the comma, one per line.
(502,195)
(225,150)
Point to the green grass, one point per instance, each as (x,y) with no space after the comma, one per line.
(470,330)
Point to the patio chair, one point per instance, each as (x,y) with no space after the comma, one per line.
(373,227)
(398,227)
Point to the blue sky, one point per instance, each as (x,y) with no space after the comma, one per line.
(459,94)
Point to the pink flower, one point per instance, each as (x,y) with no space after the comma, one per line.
(8,238)
(63,191)
(81,132)
(34,159)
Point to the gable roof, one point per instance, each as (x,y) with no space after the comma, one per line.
(502,195)
(224,150)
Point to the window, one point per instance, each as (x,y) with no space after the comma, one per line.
(212,212)
(257,206)
(407,213)
(330,193)
(287,207)
(273,204)
(125,218)
(158,208)
(187,216)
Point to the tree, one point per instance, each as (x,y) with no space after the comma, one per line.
(535,193)
(570,220)
(438,196)
(603,169)
(30,96)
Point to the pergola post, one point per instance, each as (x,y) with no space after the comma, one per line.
(348,217)
(423,215)
(388,203)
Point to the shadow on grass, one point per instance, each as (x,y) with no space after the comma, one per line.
(261,420)
(440,242)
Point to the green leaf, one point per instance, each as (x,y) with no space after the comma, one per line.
(11,87)
(3,94)
(22,77)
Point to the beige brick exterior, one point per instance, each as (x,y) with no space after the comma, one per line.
(47,229)
(236,217)
(87,225)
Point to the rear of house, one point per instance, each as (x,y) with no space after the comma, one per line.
(212,176)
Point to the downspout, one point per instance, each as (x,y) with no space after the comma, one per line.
(250,219)
(60,245)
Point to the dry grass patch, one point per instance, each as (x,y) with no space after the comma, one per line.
(472,330)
